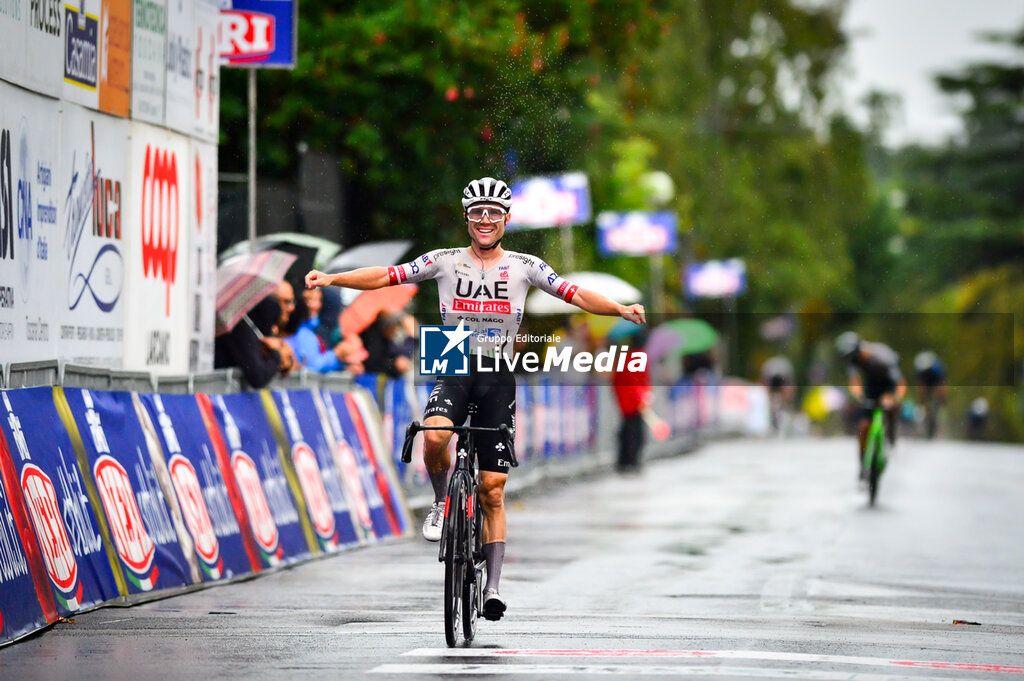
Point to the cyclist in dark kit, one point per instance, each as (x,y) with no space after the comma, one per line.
(874,375)
(482,288)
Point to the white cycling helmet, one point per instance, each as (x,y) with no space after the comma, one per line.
(487,190)
(847,345)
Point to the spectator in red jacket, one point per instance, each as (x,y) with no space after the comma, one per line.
(633,394)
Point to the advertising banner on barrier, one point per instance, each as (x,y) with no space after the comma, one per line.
(365,501)
(118,456)
(314,463)
(30,239)
(149,52)
(158,234)
(256,463)
(26,601)
(13,33)
(199,485)
(59,509)
(357,412)
(202,260)
(89,260)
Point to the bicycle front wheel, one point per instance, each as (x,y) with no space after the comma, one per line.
(454,561)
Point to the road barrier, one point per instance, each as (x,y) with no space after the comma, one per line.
(116,489)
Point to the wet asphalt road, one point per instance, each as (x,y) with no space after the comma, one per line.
(745,559)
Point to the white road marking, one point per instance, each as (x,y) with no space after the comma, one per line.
(549,670)
(509,653)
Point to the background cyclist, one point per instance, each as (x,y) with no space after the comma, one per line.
(874,375)
(931,387)
(483,287)
(778,377)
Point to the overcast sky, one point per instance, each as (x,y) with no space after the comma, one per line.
(899,45)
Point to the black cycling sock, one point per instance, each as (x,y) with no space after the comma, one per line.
(439,481)
(494,554)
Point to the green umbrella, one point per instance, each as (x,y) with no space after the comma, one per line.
(696,334)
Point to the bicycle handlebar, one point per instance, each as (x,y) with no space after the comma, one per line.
(416,426)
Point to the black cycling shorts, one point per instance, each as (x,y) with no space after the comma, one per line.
(494,394)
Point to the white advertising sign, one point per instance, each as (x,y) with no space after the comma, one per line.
(206,90)
(90,283)
(149,48)
(81,43)
(31,41)
(202,274)
(179,64)
(29,236)
(156,296)
(13,21)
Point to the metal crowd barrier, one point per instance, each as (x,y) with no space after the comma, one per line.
(58,372)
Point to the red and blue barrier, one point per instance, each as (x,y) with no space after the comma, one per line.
(118,497)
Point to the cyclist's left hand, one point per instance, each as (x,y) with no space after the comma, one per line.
(888,401)
(634,313)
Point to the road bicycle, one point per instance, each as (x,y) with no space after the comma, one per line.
(461,548)
(874,459)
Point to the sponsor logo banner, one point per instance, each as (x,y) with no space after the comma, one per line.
(256,466)
(81,55)
(317,471)
(26,603)
(202,259)
(115,61)
(55,496)
(192,68)
(359,421)
(206,72)
(140,520)
(158,225)
(30,244)
(259,33)
(149,45)
(91,250)
(199,484)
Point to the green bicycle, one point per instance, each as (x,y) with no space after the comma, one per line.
(874,459)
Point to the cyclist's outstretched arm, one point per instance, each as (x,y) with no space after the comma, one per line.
(363,279)
(598,303)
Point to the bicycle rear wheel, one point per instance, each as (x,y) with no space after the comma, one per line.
(454,561)
(876,465)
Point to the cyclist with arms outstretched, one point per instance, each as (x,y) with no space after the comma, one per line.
(874,375)
(483,286)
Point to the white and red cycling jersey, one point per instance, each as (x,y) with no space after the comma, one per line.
(489,301)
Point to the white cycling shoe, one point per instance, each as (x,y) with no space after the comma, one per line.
(432,523)
(494,605)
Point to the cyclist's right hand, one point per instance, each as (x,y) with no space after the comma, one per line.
(316,278)
(634,313)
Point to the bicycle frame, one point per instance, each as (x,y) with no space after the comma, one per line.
(874,451)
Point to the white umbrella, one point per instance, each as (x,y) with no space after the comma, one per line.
(372,254)
(325,248)
(619,290)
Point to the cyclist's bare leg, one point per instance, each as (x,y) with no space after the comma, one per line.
(435,454)
(492,499)
(862,437)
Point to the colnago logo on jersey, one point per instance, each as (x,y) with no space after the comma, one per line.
(43,507)
(264,528)
(196,515)
(315,493)
(134,545)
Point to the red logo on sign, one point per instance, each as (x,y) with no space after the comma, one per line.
(255,500)
(41,499)
(199,195)
(193,508)
(246,36)
(160,217)
(350,476)
(134,544)
(313,489)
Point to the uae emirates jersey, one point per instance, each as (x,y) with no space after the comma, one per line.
(489,301)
